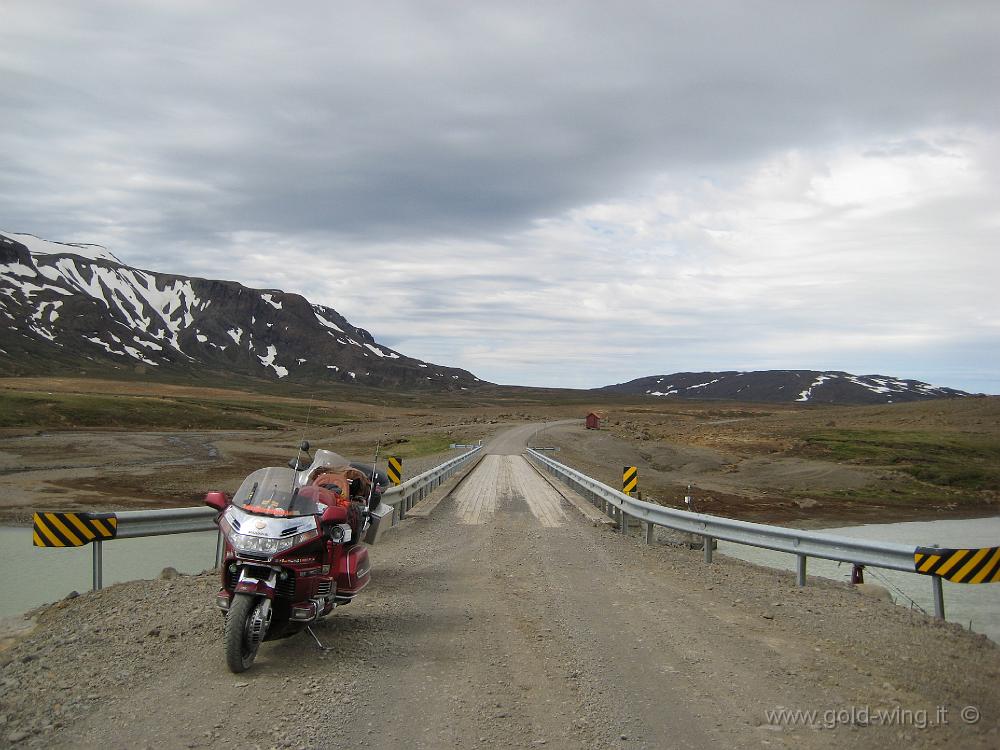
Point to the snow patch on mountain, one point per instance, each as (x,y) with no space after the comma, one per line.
(268,361)
(328,323)
(807,393)
(38,246)
(382,352)
(703,385)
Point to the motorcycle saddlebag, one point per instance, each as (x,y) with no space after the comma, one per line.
(353,571)
(379,520)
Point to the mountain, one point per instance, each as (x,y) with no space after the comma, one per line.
(783,386)
(72,308)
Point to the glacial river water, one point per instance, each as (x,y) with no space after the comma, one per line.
(30,576)
(963,603)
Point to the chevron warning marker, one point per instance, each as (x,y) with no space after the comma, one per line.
(630,479)
(395,470)
(73,529)
(959,565)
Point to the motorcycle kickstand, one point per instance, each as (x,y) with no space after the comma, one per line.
(318,643)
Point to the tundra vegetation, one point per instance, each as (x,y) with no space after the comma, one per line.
(127,444)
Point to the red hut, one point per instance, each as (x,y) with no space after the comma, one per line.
(593,421)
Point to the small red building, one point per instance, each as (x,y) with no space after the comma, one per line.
(593,421)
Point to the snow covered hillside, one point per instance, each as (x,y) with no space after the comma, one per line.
(70,308)
(777,386)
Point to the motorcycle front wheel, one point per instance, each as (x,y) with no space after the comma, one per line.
(240,649)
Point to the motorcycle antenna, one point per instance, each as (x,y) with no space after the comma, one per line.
(378,444)
(302,441)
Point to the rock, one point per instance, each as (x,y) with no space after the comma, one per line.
(874,591)
(71,595)
(168,573)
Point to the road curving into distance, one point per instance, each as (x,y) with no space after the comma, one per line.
(505,619)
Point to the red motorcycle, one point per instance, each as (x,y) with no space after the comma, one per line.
(294,548)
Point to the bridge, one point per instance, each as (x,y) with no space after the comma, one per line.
(500,615)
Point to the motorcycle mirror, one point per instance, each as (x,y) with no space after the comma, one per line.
(304,446)
(217,500)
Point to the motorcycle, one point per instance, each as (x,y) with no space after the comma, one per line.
(295,547)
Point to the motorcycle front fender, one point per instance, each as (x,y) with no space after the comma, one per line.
(248,584)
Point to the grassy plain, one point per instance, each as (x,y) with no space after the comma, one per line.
(819,463)
(72,443)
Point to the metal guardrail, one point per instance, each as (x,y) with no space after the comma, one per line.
(132,524)
(403,497)
(803,544)
(136,523)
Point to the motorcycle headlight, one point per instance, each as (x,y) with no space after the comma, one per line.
(298,539)
(267,545)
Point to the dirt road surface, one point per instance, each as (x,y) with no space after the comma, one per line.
(505,619)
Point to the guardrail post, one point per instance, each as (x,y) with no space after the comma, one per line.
(709,543)
(938,588)
(98,566)
(624,521)
(800,570)
(649,533)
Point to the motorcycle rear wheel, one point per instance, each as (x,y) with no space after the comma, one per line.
(240,652)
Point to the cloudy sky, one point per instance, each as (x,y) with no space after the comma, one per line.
(559,194)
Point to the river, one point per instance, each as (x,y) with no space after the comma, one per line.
(36,575)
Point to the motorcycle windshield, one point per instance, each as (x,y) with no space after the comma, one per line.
(324,461)
(273,492)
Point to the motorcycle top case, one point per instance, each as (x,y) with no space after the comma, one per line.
(353,571)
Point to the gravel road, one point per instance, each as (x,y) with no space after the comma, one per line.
(509,623)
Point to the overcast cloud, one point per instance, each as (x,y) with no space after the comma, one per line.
(568,194)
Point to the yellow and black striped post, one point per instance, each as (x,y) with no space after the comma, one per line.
(630,479)
(76,530)
(395,470)
(959,565)
(73,529)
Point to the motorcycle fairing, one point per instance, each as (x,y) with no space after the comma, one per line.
(264,537)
